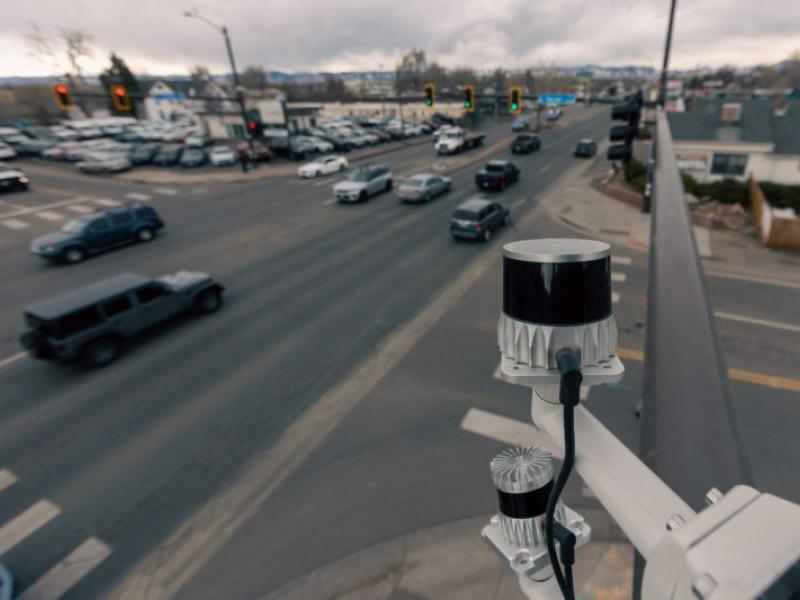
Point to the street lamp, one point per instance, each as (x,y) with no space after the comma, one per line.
(195,14)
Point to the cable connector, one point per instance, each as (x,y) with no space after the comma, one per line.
(569,365)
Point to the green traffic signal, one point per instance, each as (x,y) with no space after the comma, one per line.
(467,104)
(514,106)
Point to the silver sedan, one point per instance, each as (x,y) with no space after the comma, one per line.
(423,187)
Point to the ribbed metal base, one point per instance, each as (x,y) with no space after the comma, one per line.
(526,533)
(536,345)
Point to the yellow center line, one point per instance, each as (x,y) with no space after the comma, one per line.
(773,381)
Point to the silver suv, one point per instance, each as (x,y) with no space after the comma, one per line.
(364,182)
(91,324)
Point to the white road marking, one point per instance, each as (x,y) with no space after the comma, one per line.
(615,297)
(503,429)
(49,215)
(24,524)
(329,201)
(65,574)
(618,277)
(584,393)
(164,192)
(544,169)
(80,208)
(7,479)
(518,203)
(13,358)
(199,191)
(750,279)
(107,202)
(138,196)
(621,260)
(14,224)
(756,321)
(322,182)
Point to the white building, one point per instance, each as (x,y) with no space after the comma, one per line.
(718,140)
(179,100)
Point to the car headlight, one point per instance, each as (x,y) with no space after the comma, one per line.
(23,179)
(48,248)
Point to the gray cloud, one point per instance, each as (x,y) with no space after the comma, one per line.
(358,34)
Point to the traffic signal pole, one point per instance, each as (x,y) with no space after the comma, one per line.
(662,93)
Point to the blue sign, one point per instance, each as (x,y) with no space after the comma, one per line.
(556,98)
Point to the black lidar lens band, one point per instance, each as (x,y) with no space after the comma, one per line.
(524,505)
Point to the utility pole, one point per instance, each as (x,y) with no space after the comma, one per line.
(662,95)
(383,91)
(194,13)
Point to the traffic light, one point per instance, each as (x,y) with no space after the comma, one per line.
(515,99)
(469,98)
(254,125)
(629,111)
(430,94)
(121,99)
(63,97)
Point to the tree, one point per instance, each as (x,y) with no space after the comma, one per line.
(200,73)
(254,77)
(119,73)
(410,70)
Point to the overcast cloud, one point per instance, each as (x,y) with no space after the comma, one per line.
(307,35)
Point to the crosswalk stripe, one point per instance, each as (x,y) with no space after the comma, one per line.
(49,215)
(621,260)
(7,479)
(24,524)
(329,201)
(618,277)
(64,575)
(509,431)
(614,297)
(14,224)
(138,196)
(163,192)
(107,202)
(80,208)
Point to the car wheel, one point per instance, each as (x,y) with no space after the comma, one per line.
(145,234)
(362,197)
(73,255)
(487,235)
(507,219)
(388,185)
(341,168)
(209,301)
(426,197)
(101,352)
(318,174)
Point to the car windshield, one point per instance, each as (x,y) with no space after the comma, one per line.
(360,176)
(495,167)
(452,134)
(74,226)
(416,182)
(465,215)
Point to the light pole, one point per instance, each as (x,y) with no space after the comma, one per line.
(195,14)
(383,93)
(662,96)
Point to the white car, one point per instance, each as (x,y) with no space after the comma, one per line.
(221,156)
(6,151)
(324,165)
(102,162)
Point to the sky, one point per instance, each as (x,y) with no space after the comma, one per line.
(343,35)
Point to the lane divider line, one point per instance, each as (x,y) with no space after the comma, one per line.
(13,358)
(756,321)
(26,523)
(7,479)
(14,224)
(617,277)
(138,196)
(65,574)
(621,260)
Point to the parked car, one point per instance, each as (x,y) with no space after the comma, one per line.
(300,147)
(167,155)
(324,165)
(12,179)
(364,182)
(93,323)
(7,151)
(197,140)
(423,187)
(477,218)
(99,231)
(525,143)
(143,154)
(58,152)
(586,148)
(258,153)
(104,162)
(221,156)
(497,175)
(34,147)
(192,157)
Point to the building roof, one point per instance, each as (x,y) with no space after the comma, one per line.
(73,300)
(758,124)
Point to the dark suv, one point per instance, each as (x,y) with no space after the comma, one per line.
(92,324)
(476,219)
(93,233)
(525,143)
(586,148)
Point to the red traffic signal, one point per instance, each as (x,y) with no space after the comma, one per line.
(63,98)
(121,99)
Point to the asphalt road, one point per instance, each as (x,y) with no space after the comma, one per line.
(125,456)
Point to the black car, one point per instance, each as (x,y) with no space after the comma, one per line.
(497,175)
(586,148)
(143,154)
(476,219)
(93,233)
(525,144)
(168,155)
(12,179)
(193,157)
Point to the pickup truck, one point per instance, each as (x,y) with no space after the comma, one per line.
(497,175)
(454,141)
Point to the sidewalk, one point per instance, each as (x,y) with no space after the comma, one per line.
(452,562)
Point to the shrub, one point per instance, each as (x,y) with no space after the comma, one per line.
(781,196)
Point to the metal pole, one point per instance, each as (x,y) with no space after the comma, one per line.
(667,47)
(383,92)
(239,95)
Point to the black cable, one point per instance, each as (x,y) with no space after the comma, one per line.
(568,361)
